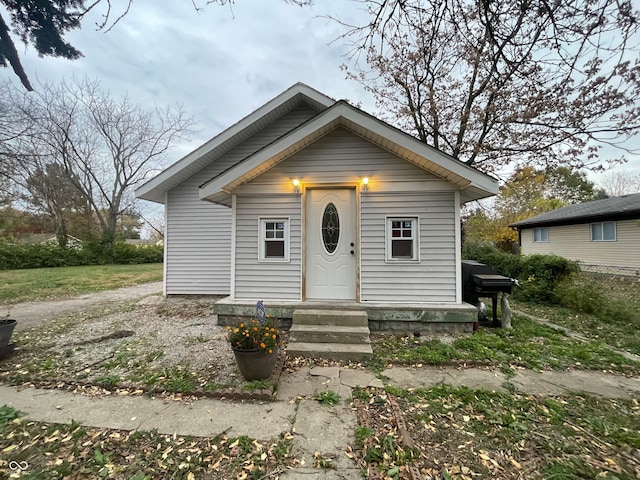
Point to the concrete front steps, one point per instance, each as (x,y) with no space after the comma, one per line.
(330,334)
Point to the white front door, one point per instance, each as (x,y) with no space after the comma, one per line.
(331,243)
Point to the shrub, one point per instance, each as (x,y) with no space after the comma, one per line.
(40,255)
(17,256)
(131,254)
(585,294)
(506,264)
(543,274)
(539,275)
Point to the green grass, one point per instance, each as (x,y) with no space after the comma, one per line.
(507,435)
(57,451)
(47,283)
(529,344)
(328,398)
(597,306)
(619,334)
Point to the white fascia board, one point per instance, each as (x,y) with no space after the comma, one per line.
(344,114)
(290,144)
(458,169)
(148,191)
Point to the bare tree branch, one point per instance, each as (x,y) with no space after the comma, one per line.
(542,82)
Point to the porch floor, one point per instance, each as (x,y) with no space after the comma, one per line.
(383,316)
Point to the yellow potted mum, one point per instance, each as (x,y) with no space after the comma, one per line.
(255,345)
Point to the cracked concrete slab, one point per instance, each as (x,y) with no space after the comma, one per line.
(329,372)
(202,417)
(594,383)
(359,378)
(425,377)
(327,431)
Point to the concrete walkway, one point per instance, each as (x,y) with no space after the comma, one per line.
(317,429)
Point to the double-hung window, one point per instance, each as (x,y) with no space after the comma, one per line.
(540,235)
(402,239)
(274,240)
(603,232)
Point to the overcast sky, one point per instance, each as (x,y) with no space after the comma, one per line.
(220,64)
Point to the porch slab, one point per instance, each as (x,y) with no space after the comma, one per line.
(383,316)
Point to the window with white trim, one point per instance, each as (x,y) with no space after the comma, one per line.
(274,240)
(603,232)
(402,239)
(540,235)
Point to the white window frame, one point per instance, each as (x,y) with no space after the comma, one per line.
(262,239)
(601,225)
(544,235)
(415,257)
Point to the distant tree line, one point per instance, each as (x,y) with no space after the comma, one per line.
(526,193)
(71,157)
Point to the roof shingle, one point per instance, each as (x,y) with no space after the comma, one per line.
(615,208)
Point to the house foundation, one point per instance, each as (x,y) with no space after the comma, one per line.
(426,318)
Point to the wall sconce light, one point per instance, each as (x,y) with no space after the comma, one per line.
(365,184)
(296,185)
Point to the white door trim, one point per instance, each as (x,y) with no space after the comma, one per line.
(331,275)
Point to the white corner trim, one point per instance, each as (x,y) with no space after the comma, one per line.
(232,287)
(458,246)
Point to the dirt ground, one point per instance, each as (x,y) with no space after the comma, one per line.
(129,336)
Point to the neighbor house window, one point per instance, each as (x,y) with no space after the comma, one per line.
(274,239)
(603,232)
(541,235)
(402,239)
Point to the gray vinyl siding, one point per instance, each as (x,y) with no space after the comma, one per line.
(574,242)
(342,156)
(267,280)
(433,279)
(198,233)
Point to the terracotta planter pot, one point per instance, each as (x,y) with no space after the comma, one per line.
(255,364)
(6,330)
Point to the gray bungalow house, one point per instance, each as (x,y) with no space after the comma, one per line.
(310,202)
(604,235)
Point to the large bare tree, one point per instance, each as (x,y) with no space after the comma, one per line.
(541,82)
(105,147)
(617,183)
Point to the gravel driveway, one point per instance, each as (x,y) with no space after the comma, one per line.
(34,313)
(132,335)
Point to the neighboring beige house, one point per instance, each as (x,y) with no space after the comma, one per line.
(603,234)
(312,202)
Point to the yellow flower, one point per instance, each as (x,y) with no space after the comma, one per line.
(241,325)
(236,330)
(270,351)
(262,345)
(274,336)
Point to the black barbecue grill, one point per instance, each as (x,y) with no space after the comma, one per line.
(480,280)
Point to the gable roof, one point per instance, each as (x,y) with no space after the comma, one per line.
(615,208)
(155,189)
(473,184)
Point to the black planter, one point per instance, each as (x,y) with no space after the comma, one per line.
(6,330)
(255,364)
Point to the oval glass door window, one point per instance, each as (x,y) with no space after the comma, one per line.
(330,228)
